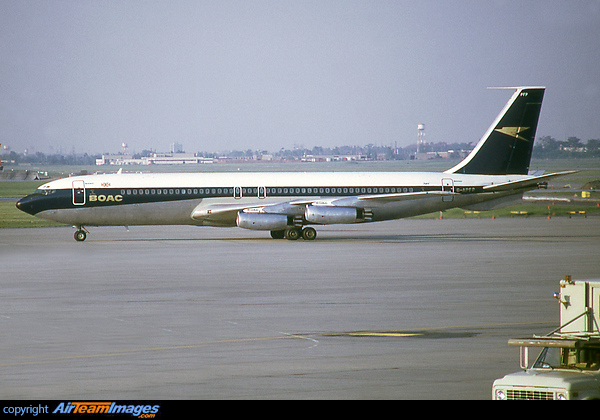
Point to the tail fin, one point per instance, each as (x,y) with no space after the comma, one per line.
(507,145)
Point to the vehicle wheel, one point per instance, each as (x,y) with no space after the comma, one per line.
(80,235)
(277,234)
(292,234)
(309,233)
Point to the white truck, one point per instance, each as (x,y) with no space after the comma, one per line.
(568,366)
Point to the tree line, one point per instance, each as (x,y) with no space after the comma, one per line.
(550,148)
(546,147)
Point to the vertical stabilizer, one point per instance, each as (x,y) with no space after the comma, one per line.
(507,145)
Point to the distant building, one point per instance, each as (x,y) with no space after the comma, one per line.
(117,160)
(154,159)
(333,158)
(176,148)
(175,159)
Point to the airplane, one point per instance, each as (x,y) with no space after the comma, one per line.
(289,204)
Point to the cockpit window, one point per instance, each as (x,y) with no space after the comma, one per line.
(40,191)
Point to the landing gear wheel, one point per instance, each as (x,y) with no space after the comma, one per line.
(80,235)
(292,234)
(278,234)
(309,233)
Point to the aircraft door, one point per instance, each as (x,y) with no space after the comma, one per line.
(448,186)
(237,192)
(262,192)
(78,193)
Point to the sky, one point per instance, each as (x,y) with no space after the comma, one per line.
(85,76)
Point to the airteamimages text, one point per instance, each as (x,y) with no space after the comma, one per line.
(140,411)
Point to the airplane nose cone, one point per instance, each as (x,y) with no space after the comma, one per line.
(25,204)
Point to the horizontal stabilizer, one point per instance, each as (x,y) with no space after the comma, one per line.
(524,183)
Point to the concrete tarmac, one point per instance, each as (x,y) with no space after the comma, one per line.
(409,309)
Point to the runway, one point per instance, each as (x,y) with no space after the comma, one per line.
(409,309)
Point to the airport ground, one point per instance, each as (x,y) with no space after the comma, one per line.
(409,309)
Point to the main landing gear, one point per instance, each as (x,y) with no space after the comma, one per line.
(80,234)
(293,233)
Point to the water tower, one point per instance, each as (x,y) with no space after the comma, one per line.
(420,137)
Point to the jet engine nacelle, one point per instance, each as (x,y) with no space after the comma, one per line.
(326,215)
(262,221)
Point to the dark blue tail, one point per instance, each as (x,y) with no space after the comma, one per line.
(507,145)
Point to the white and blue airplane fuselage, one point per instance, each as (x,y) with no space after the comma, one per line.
(288,203)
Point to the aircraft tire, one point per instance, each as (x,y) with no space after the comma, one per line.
(80,235)
(292,234)
(309,233)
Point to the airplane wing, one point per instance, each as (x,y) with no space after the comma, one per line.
(387,198)
(525,183)
(372,200)
(225,214)
(220,213)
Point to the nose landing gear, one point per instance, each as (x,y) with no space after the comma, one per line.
(80,234)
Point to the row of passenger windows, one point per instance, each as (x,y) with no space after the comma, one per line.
(263,190)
